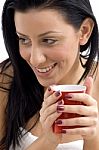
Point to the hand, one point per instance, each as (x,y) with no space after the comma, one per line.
(48,115)
(89,111)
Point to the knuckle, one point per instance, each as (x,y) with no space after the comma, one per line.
(95,121)
(40,112)
(48,111)
(87,97)
(83,131)
(41,119)
(80,110)
(92,131)
(44,97)
(95,102)
(78,121)
(95,112)
(50,119)
(45,103)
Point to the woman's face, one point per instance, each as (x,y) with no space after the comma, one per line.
(49,45)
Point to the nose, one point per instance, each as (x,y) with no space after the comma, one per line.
(37,57)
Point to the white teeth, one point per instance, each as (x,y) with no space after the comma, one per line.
(44,70)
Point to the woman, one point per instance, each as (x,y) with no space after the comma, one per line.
(48,42)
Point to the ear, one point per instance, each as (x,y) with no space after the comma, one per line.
(86,30)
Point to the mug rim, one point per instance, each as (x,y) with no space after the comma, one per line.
(68,88)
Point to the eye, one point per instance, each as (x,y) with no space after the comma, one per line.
(24,41)
(49,41)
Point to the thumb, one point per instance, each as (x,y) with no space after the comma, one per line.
(89,84)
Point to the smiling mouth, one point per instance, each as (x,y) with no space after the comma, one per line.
(46,69)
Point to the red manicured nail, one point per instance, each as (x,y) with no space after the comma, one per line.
(63,131)
(60,108)
(49,89)
(57,93)
(60,102)
(58,122)
(68,96)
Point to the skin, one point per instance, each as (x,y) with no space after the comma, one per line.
(42,49)
(46,39)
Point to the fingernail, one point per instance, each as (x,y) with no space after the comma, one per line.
(49,89)
(60,102)
(57,93)
(68,96)
(60,108)
(63,131)
(58,122)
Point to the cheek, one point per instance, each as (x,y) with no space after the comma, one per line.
(24,54)
(59,53)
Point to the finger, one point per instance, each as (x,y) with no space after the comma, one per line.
(48,92)
(50,120)
(79,121)
(50,110)
(84,132)
(53,98)
(89,84)
(80,109)
(81,97)
(44,108)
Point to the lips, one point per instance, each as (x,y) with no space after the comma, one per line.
(46,69)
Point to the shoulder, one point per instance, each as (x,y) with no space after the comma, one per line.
(6,67)
(6,74)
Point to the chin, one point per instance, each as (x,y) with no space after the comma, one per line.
(47,84)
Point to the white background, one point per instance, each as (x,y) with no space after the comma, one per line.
(3,54)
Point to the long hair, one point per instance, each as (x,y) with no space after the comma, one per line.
(25,93)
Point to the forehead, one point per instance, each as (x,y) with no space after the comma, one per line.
(35,22)
(37,16)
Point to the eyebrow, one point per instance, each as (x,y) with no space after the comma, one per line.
(21,34)
(49,32)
